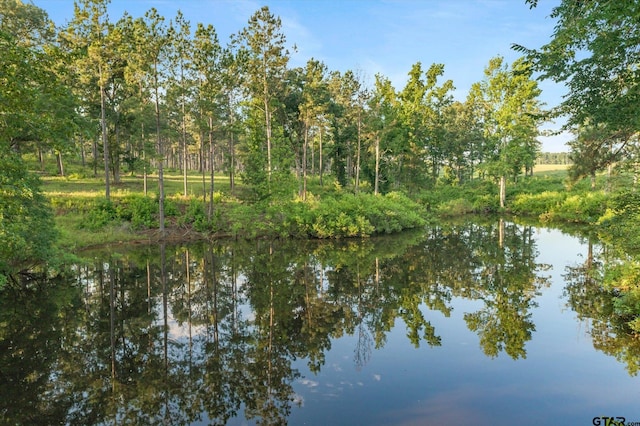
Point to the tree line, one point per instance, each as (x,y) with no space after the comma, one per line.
(143,93)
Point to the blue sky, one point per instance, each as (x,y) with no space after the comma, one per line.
(377,36)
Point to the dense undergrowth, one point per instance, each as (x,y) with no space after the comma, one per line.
(330,216)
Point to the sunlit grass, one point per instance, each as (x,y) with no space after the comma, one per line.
(540,168)
(91,187)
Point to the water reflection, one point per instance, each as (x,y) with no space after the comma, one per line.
(599,307)
(210,332)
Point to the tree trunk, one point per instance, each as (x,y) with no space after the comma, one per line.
(313,160)
(304,162)
(377,177)
(82,154)
(232,163)
(267,115)
(320,157)
(144,164)
(105,142)
(212,166)
(41,159)
(357,185)
(203,169)
(160,155)
(60,165)
(503,186)
(185,154)
(232,149)
(95,157)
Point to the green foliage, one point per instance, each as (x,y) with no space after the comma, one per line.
(626,204)
(142,211)
(332,216)
(102,213)
(341,217)
(477,196)
(536,204)
(26,221)
(196,215)
(457,207)
(579,208)
(486,203)
(621,220)
(623,278)
(349,215)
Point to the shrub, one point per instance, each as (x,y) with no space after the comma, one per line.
(360,215)
(486,204)
(480,194)
(144,212)
(580,208)
(196,215)
(535,204)
(457,207)
(170,208)
(102,213)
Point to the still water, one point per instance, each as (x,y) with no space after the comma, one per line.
(482,324)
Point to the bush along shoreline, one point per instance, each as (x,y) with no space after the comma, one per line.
(90,220)
(135,217)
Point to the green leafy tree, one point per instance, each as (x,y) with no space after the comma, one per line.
(512,113)
(342,129)
(422,105)
(136,74)
(155,39)
(265,60)
(593,149)
(207,63)
(87,38)
(29,112)
(384,128)
(463,136)
(594,52)
(182,78)
(26,221)
(314,101)
(347,115)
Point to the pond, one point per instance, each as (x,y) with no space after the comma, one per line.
(473,323)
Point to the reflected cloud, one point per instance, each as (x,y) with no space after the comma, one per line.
(308,383)
(298,400)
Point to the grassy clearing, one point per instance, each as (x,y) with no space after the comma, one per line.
(544,168)
(95,186)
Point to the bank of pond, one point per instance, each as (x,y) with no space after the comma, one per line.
(446,323)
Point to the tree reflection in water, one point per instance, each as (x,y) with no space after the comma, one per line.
(592,292)
(177,334)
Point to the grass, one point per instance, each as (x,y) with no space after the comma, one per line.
(73,236)
(78,200)
(544,168)
(95,186)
